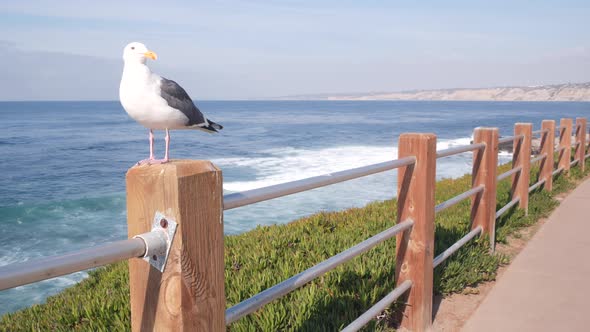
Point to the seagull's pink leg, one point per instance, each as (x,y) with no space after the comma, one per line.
(152,158)
(166,159)
(167,138)
(152,145)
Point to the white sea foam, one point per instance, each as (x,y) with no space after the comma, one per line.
(289,164)
(283,165)
(451,143)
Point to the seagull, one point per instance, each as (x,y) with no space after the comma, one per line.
(156,102)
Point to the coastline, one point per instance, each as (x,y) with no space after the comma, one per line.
(569,92)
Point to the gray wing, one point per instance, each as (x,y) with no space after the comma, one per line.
(177,98)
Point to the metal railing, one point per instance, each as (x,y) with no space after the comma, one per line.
(147,244)
(456,246)
(459,149)
(50,267)
(279,290)
(536,185)
(240,199)
(538,158)
(518,169)
(507,174)
(450,202)
(559,170)
(540,132)
(234,200)
(257,195)
(507,207)
(379,307)
(507,139)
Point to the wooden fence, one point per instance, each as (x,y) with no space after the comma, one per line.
(189,295)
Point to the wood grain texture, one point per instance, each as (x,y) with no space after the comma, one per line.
(485,164)
(565,141)
(548,148)
(415,247)
(189,295)
(521,157)
(581,140)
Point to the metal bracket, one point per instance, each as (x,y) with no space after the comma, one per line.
(159,241)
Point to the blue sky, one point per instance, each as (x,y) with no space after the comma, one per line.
(258,49)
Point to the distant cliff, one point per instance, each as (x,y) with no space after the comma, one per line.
(560,92)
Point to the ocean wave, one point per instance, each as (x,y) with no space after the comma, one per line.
(41,229)
(55,227)
(283,165)
(451,143)
(289,164)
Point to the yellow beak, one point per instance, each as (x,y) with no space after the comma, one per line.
(151,55)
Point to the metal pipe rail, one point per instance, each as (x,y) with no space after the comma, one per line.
(448,203)
(508,173)
(536,185)
(507,207)
(573,162)
(510,138)
(378,308)
(560,149)
(232,201)
(586,156)
(539,158)
(557,171)
(540,131)
(49,267)
(279,290)
(459,149)
(452,249)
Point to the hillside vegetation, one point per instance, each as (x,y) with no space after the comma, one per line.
(260,258)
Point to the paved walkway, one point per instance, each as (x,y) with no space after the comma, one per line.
(547,286)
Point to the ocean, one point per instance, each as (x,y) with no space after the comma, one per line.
(63,164)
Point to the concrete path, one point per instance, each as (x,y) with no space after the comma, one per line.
(547,286)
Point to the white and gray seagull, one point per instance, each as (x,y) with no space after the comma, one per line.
(156,102)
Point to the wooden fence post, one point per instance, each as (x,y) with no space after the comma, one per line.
(485,164)
(565,143)
(581,140)
(189,295)
(548,148)
(522,157)
(415,247)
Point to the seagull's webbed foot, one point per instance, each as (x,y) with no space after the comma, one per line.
(159,161)
(152,161)
(145,161)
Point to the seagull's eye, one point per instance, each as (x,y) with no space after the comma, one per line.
(132,47)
